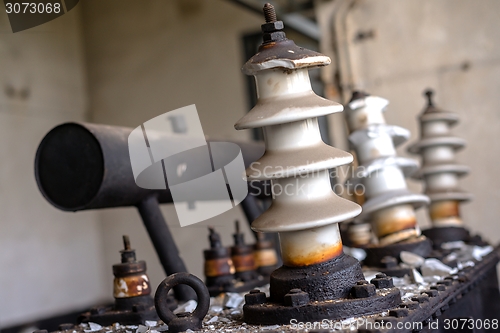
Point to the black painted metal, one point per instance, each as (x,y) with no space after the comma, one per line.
(375,254)
(81,166)
(330,290)
(447,234)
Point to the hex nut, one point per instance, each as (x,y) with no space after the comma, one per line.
(253,297)
(410,305)
(438,287)
(273,36)
(388,262)
(430,293)
(398,313)
(363,290)
(445,282)
(272,26)
(382,281)
(420,298)
(296,297)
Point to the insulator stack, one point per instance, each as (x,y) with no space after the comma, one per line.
(440,172)
(305,211)
(389,205)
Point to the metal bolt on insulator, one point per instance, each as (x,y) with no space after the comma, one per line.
(440,172)
(389,205)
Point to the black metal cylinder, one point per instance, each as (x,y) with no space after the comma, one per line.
(81,166)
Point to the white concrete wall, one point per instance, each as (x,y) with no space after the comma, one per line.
(49,260)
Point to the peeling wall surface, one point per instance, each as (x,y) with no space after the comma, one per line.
(123,62)
(49,260)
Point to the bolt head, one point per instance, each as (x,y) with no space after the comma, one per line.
(272,26)
(382,282)
(273,36)
(296,298)
(388,262)
(363,290)
(255,298)
(398,313)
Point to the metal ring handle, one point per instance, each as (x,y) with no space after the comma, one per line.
(199,287)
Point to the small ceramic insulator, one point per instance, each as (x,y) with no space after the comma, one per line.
(389,205)
(218,261)
(131,279)
(439,171)
(305,211)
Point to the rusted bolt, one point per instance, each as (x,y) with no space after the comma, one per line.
(410,305)
(192,320)
(398,313)
(388,262)
(97,310)
(420,298)
(363,289)
(139,307)
(272,29)
(296,297)
(384,320)
(255,297)
(445,282)
(430,293)
(382,281)
(438,287)
(66,326)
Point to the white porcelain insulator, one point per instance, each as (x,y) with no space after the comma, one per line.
(389,205)
(305,211)
(440,172)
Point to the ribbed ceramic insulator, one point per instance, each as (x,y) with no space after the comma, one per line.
(305,211)
(389,206)
(439,171)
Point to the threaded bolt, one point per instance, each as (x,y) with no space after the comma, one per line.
(126,242)
(269,13)
(428,93)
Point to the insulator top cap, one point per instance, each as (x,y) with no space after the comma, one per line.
(277,51)
(432,113)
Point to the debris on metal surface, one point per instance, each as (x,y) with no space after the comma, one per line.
(425,305)
(317,280)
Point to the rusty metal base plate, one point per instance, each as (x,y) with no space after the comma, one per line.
(236,286)
(421,246)
(273,313)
